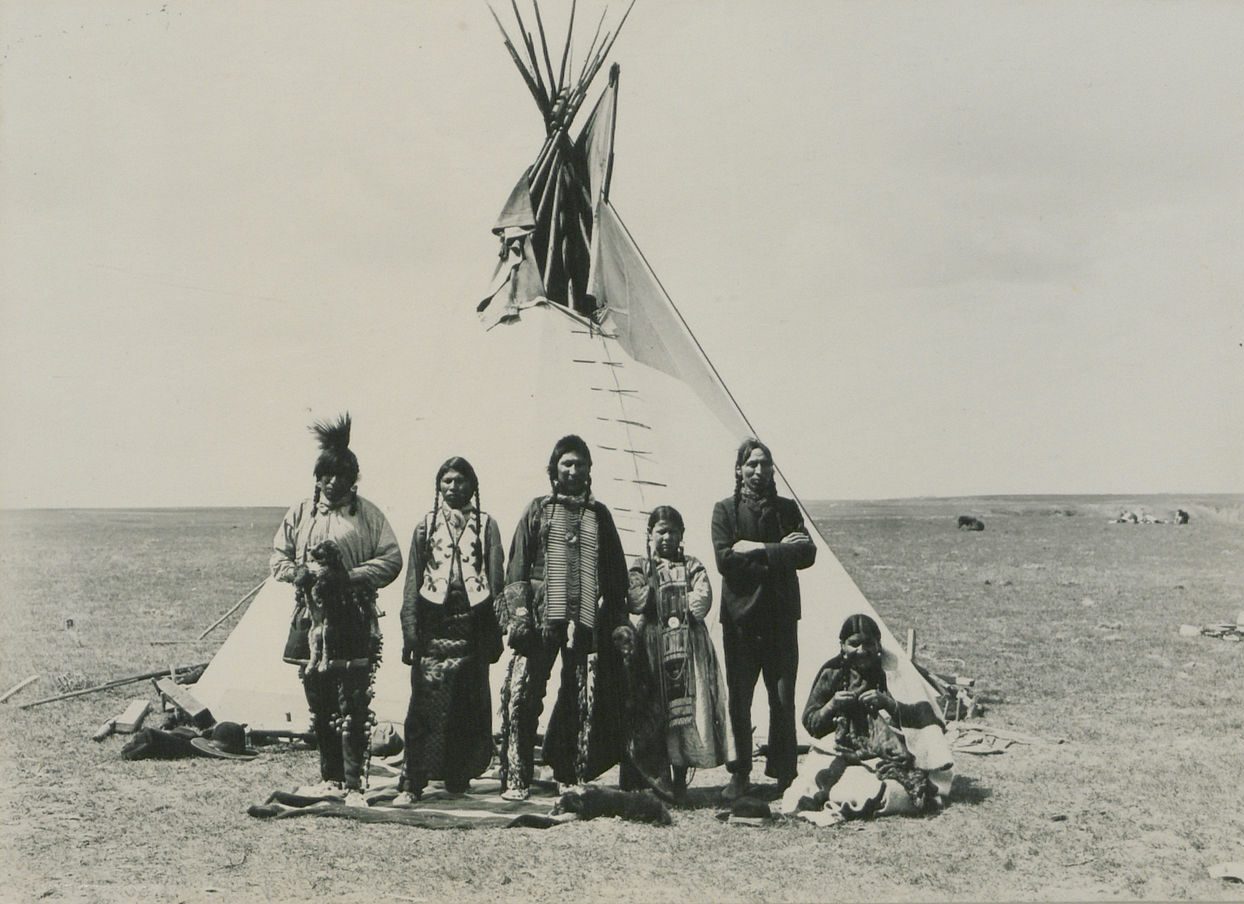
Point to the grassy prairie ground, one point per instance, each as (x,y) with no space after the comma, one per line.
(1070,624)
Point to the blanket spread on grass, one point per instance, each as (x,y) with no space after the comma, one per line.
(480,808)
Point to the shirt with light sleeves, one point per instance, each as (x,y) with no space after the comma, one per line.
(369,549)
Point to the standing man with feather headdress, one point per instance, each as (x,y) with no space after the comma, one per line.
(338,685)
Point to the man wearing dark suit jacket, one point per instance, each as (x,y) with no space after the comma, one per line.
(760,541)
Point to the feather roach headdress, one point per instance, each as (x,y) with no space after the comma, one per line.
(335,455)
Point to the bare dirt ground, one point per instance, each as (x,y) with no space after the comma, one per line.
(1070,624)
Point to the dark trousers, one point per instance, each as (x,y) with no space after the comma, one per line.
(771,651)
(339,709)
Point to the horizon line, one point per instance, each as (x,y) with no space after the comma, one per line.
(811,501)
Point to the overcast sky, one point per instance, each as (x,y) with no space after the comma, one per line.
(933,249)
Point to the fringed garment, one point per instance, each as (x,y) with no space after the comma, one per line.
(674,597)
(571,588)
(565,593)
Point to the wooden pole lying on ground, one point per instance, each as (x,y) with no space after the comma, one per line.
(181,698)
(216,624)
(911,643)
(131,719)
(108,685)
(17,687)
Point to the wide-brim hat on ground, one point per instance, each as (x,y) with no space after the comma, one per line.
(228,742)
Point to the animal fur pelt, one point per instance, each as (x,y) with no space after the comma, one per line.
(325,599)
(642,715)
(592,801)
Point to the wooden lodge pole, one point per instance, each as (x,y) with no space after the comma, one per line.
(17,687)
(108,685)
(216,624)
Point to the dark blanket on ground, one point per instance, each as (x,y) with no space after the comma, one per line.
(437,810)
(480,808)
(156,744)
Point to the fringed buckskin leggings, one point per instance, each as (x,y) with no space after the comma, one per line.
(522,701)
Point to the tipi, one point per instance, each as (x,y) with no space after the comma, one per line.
(575,335)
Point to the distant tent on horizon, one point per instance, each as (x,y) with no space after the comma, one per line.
(575,335)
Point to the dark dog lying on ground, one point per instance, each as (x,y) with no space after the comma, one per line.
(592,801)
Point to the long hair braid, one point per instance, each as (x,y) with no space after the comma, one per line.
(746,448)
(552,475)
(738,492)
(546,523)
(436,510)
(478,544)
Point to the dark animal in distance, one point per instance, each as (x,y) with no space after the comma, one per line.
(968,522)
(1181,517)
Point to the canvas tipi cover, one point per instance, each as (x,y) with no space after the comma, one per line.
(630,379)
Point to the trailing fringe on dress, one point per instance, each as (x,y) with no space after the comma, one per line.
(513,696)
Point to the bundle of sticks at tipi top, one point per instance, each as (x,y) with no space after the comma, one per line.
(558,180)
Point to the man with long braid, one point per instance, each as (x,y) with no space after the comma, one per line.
(760,541)
(566,586)
(338,692)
